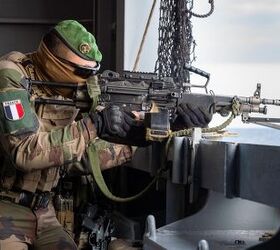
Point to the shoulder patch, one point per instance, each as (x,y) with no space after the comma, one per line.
(13,110)
(16,115)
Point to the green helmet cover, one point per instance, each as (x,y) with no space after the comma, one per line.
(78,39)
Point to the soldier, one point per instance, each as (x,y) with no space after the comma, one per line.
(37,141)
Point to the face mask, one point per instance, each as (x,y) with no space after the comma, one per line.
(53,69)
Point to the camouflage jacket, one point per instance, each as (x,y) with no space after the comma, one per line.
(38,141)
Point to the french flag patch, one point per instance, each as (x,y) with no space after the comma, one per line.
(13,110)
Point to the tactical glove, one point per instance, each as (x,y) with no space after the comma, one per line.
(137,132)
(190,116)
(118,126)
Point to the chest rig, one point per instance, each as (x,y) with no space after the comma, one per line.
(50,117)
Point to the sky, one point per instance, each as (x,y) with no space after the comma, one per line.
(245,31)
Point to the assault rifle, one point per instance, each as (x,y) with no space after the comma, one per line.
(137,91)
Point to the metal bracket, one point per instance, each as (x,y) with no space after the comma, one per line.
(263,121)
(203,245)
(150,231)
(195,140)
(257,92)
(198,72)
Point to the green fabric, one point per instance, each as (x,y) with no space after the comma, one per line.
(100,144)
(79,39)
(94,162)
(9,78)
(93,91)
(60,136)
(28,123)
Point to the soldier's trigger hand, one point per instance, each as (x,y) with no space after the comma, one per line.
(137,132)
(115,125)
(111,121)
(139,115)
(190,116)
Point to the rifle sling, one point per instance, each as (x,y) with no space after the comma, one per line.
(96,171)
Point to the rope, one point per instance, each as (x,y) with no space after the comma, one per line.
(187,132)
(211,2)
(135,67)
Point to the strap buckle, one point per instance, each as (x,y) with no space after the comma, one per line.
(41,200)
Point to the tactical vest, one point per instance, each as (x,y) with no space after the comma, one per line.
(50,117)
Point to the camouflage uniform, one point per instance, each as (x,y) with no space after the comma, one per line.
(33,156)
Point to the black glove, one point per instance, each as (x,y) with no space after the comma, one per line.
(190,116)
(118,126)
(111,121)
(137,132)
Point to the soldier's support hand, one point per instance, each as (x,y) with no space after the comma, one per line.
(115,125)
(190,116)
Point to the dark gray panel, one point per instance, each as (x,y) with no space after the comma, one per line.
(22,23)
(20,39)
(180,160)
(26,21)
(259,174)
(51,9)
(216,162)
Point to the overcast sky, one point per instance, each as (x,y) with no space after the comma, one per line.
(239,31)
(243,30)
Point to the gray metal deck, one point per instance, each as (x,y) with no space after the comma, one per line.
(242,173)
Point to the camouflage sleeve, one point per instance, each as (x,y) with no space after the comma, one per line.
(110,155)
(48,149)
(36,149)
